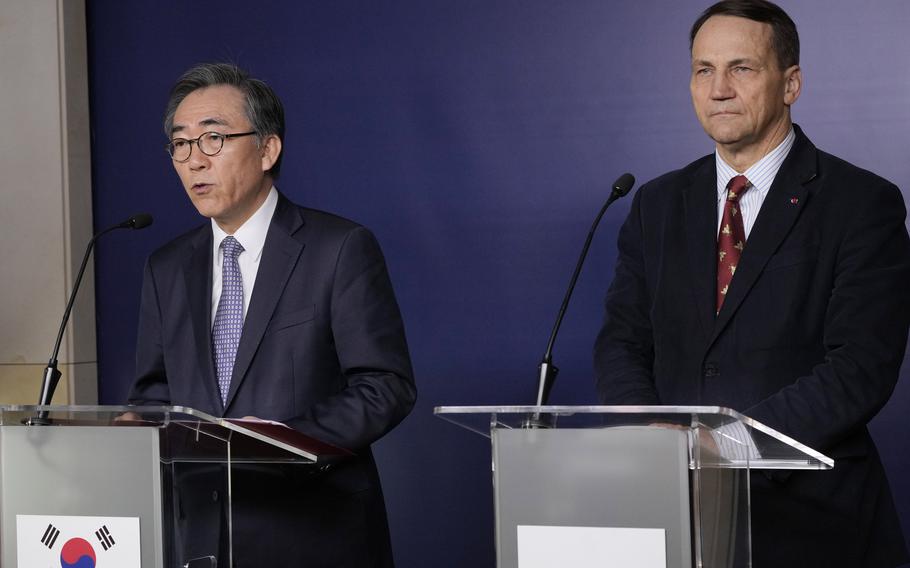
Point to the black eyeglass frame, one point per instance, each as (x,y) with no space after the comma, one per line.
(169,147)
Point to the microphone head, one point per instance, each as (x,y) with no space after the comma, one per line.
(138,221)
(622,185)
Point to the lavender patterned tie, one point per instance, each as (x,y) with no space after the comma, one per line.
(229,316)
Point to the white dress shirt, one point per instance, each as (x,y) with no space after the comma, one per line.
(251,236)
(761,175)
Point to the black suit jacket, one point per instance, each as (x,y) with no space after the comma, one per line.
(809,341)
(323,350)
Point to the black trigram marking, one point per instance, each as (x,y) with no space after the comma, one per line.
(50,536)
(104,537)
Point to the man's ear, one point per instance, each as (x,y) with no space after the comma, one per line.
(270,149)
(793,84)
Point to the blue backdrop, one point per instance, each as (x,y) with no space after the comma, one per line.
(477,138)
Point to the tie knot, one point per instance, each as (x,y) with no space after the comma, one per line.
(231,247)
(737,187)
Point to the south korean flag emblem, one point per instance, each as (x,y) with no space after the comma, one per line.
(77,542)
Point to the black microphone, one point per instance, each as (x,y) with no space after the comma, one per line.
(137,221)
(51,374)
(548,371)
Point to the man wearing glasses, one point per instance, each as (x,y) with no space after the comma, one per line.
(278,312)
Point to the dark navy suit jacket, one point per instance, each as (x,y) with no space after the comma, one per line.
(809,341)
(323,350)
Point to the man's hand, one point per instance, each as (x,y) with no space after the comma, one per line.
(706,442)
(128,416)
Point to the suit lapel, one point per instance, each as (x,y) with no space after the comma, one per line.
(279,257)
(782,206)
(701,240)
(197,274)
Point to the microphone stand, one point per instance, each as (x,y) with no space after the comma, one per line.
(547,370)
(51,373)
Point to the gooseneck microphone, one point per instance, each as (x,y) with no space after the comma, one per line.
(51,374)
(548,371)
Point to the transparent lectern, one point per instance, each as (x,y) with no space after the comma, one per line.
(626,486)
(97,461)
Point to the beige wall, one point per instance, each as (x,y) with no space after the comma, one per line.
(45,213)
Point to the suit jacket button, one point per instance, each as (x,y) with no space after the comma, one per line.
(214,496)
(711,370)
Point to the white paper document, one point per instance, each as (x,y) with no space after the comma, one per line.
(591,547)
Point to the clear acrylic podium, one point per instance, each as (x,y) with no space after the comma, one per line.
(88,461)
(640,485)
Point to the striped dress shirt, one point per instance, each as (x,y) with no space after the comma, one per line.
(761,174)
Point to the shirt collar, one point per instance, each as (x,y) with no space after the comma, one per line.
(762,173)
(251,235)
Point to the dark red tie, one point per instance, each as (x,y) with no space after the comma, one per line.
(732,237)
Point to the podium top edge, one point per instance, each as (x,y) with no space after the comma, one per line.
(502,415)
(592,409)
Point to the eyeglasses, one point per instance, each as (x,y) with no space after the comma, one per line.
(209,143)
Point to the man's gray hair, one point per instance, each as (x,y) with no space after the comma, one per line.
(784,38)
(263,107)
